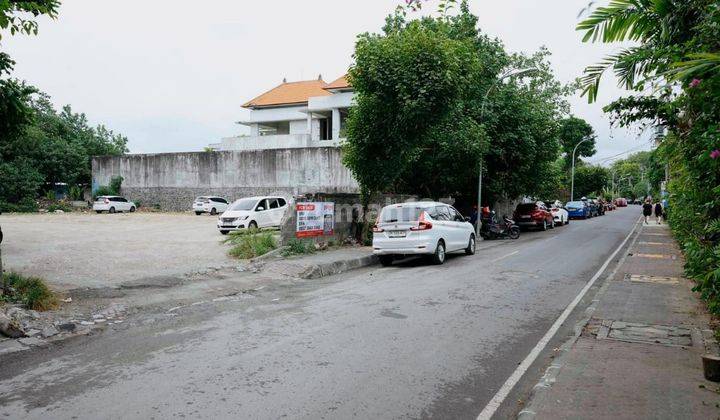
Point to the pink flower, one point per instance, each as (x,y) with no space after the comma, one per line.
(715,154)
(695,83)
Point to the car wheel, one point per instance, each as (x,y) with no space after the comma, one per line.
(470,250)
(552,224)
(566,221)
(514,232)
(198,213)
(132,209)
(112,210)
(544,226)
(98,211)
(439,256)
(213,211)
(386,260)
(252,225)
(224,232)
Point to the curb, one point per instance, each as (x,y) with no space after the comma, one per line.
(336,267)
(539,392)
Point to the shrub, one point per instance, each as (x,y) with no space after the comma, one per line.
(30,291)
(112,189)
(26,205)
(298,247)
(75,193)
(250,244)
(59,206)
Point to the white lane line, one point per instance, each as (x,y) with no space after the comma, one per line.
(503,392)
(505,256)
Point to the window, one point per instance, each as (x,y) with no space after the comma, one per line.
(282,202)
(243,205)
(456,216)
(444,213)
(273,203)
(262,204)
(325,129)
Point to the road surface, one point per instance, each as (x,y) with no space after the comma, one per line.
(408,341)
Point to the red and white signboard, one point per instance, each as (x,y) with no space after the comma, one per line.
(315,219)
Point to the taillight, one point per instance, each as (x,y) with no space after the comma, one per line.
(554,210)
(376,229)
(422,223)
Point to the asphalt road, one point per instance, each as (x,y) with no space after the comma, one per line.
(408,341)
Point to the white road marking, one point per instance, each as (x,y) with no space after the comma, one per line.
(505,256)
(510,383)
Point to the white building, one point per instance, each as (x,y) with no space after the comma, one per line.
(308,113)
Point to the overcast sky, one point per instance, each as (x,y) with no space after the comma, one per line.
(171,74)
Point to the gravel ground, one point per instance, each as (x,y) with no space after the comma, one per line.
(96,250)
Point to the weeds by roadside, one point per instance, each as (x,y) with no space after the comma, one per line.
(250,244)
(30,291)
(298,247)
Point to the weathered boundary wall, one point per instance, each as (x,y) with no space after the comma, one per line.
(171,181)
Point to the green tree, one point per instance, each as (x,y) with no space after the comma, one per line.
(430,106)
(572,131)
(590,180)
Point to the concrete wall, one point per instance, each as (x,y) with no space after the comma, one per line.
(171,181)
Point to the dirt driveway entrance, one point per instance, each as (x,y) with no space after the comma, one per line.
(97,250)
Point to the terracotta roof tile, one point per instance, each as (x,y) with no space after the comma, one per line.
(339,83)
(289,93)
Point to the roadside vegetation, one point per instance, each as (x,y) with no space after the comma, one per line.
(250,244)
(673,72)
(298,247)
(32,292)
(41,146)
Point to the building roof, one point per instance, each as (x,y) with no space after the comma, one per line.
(289,93)
(339,83)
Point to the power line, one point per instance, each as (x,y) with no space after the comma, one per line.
(597,162)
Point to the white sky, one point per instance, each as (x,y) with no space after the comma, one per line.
(171,74)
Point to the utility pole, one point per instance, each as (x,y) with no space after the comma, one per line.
(509,73)
(572,176)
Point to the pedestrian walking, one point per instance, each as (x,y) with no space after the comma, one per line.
(647,210)
(659,212)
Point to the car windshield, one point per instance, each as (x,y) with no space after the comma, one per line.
(526,208)
(400,214)
(575,204)
(201,199)
(100,198)
(244,204)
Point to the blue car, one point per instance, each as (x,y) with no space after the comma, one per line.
(577,210)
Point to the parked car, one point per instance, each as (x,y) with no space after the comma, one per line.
(112,204)
(621,202)
(560,215)
(421,228)
(533,215)
(600,205)
(592,207)
(210,204)
(577,210)
(252,213)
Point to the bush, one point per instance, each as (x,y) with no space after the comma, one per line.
(75,193)
(26,205)
(112,189)
(298,247)
(59,206)
(30,291)
(250,244)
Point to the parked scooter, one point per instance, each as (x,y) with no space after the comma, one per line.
(491,229)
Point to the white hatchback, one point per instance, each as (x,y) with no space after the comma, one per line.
(421,228)
(252,213)
(209,204)
(112,204)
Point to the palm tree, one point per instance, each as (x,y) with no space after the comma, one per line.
(658,26)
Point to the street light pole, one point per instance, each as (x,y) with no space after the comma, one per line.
(509,73)
(572,176)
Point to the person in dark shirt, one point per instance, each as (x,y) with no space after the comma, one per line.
(647,210)
(659,212)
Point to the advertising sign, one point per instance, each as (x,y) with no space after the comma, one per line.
(315,219)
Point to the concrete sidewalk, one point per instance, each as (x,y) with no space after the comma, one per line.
(638,353)
(320,264)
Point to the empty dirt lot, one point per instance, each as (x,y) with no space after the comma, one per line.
(95,250)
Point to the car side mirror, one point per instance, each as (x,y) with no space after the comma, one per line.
(467,219)
(260,209)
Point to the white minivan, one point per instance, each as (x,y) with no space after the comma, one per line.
(421,228)
(209,204)
(112,204)
(253,213)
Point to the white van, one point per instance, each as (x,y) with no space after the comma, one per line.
(209,204)
(253,213)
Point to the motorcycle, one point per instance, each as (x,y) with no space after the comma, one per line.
(491,229)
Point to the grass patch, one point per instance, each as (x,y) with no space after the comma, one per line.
(30,291)
(298,247)
(250,244)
